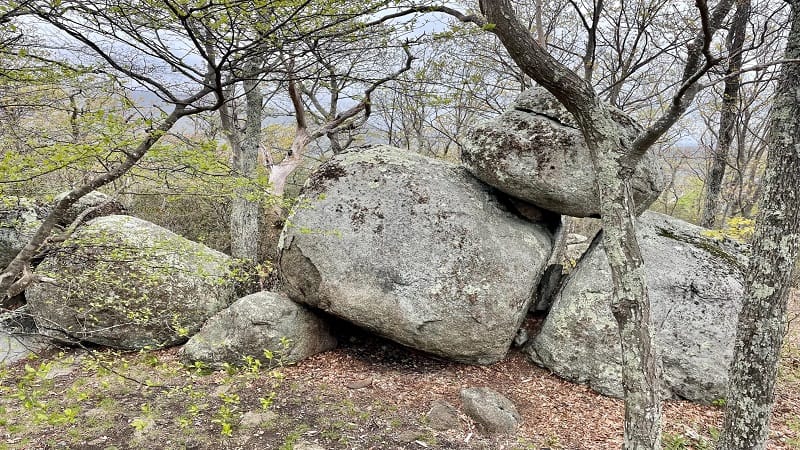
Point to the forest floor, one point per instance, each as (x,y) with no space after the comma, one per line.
(367,394)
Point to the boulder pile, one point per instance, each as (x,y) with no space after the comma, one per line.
(440,257)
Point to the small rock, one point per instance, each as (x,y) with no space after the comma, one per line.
(408,436)
(305,445)
(58,372)
(95,413)
(443,416)
(492,412)
(252,419)
(259,321)
(521,337)
(98,441)
(104,204)
(575,238)
(14,348)
(360,384)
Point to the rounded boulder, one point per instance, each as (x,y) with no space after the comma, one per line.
(536,152)
(416,250)
(256,326)
(127,283)
(695,286)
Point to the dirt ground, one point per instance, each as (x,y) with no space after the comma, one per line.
(367,394)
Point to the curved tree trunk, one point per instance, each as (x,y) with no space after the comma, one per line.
(614,159)
(762,322)
(613,167)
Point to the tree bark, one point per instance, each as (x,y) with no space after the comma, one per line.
(728,115)
(762,321)
(245,205)
(610,156)
(630,304)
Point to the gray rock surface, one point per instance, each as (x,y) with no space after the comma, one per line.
(307,445)
(493,413)
(105,205)
(19,337)
(14,347)
(19,219)
(443,416)
(695,287)
(551,280)
(416,250)
(258,322)
(127,283)
(534,151)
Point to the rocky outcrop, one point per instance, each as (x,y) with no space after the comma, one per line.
(127,283)
(536,152)
(259,322)
(493,413)
(103,205)
(695,288)
(416,250)
(19,219)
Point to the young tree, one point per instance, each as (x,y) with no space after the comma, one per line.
(614,157)
(332,119)
(762,322)
(730,103)
(244,142)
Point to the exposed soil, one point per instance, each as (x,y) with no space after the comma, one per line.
(367,394)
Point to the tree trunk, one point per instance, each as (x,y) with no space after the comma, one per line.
(728,115)
(279,174)
(613,167)
(245,207)
(630,304)
(762,321)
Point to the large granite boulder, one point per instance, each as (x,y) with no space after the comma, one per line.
(416,250)
(535,151)
(695,287)
(19,219)
(259,322)
(127,283)
(104,206)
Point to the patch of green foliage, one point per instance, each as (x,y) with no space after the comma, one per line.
(107,391)
(737,228)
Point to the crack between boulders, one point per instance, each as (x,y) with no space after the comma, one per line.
(546,116)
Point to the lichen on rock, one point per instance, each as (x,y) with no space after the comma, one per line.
(416,250)
(127,283)
(695,287)
(535,151)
